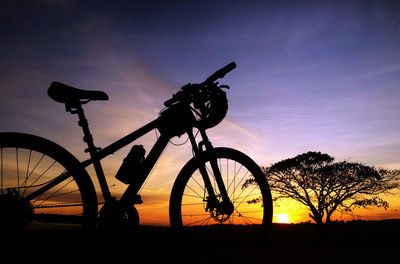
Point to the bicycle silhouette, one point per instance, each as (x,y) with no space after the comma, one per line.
(43,184)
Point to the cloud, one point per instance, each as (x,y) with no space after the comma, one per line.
(155,196)
(381,155)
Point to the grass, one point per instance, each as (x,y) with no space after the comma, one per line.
(358,242)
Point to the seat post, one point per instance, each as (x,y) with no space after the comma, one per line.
(92,149)
(87,136)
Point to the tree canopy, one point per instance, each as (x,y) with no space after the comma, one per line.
(325,186)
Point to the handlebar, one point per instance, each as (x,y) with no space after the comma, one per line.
(221,73)
(210,80)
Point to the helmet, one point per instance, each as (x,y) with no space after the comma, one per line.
(212,106)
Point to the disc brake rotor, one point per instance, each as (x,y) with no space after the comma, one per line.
(220,211)
(220,218)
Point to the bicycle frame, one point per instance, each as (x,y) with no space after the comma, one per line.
(148,163)
(130,193)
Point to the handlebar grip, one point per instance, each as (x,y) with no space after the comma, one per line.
(221,72)
(169,102)
(228,68)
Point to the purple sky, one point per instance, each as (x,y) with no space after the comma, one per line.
(322,75)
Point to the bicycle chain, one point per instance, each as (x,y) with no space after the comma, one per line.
(60,205)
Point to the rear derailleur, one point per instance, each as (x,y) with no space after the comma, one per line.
(15,212)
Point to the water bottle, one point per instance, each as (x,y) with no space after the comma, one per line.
(131,164)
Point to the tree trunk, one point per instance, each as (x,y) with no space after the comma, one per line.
(328,218)
(317,218)
(315,214)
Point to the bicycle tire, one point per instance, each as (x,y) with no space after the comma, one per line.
(29,162)
(189,192)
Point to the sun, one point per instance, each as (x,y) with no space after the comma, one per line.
(282,218)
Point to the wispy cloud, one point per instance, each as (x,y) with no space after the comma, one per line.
(311,75)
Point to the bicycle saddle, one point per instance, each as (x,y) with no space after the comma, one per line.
(65,94)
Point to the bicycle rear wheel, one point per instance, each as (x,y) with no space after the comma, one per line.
(247,189)
(27,165)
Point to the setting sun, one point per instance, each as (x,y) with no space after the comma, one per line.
(282,218)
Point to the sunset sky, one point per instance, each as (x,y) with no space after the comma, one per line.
(311,76)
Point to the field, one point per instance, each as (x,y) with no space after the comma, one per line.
(354,242)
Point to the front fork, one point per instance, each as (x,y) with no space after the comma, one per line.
(205,145)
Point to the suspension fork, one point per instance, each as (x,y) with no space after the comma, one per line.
(214,166)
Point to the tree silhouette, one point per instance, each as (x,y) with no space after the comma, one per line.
(325,186)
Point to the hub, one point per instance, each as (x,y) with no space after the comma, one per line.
(220,211)
(16,212)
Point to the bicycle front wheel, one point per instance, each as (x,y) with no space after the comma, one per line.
(245,184)
(29,165)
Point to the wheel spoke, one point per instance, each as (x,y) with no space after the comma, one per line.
(240,181)
(16,156)
(201,186)
(41,175)
(201,221)
(53,194)
(198,195)
(195,196)
(235,175)
(191,215)
(29,175)
(27,170)
(245,198)
(192,204)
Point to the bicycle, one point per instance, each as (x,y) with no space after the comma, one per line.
(44,184)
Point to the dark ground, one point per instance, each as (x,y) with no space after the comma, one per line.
(355,242)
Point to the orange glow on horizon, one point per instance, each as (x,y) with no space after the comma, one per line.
(282,218)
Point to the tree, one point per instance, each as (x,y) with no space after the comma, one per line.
(325,186)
